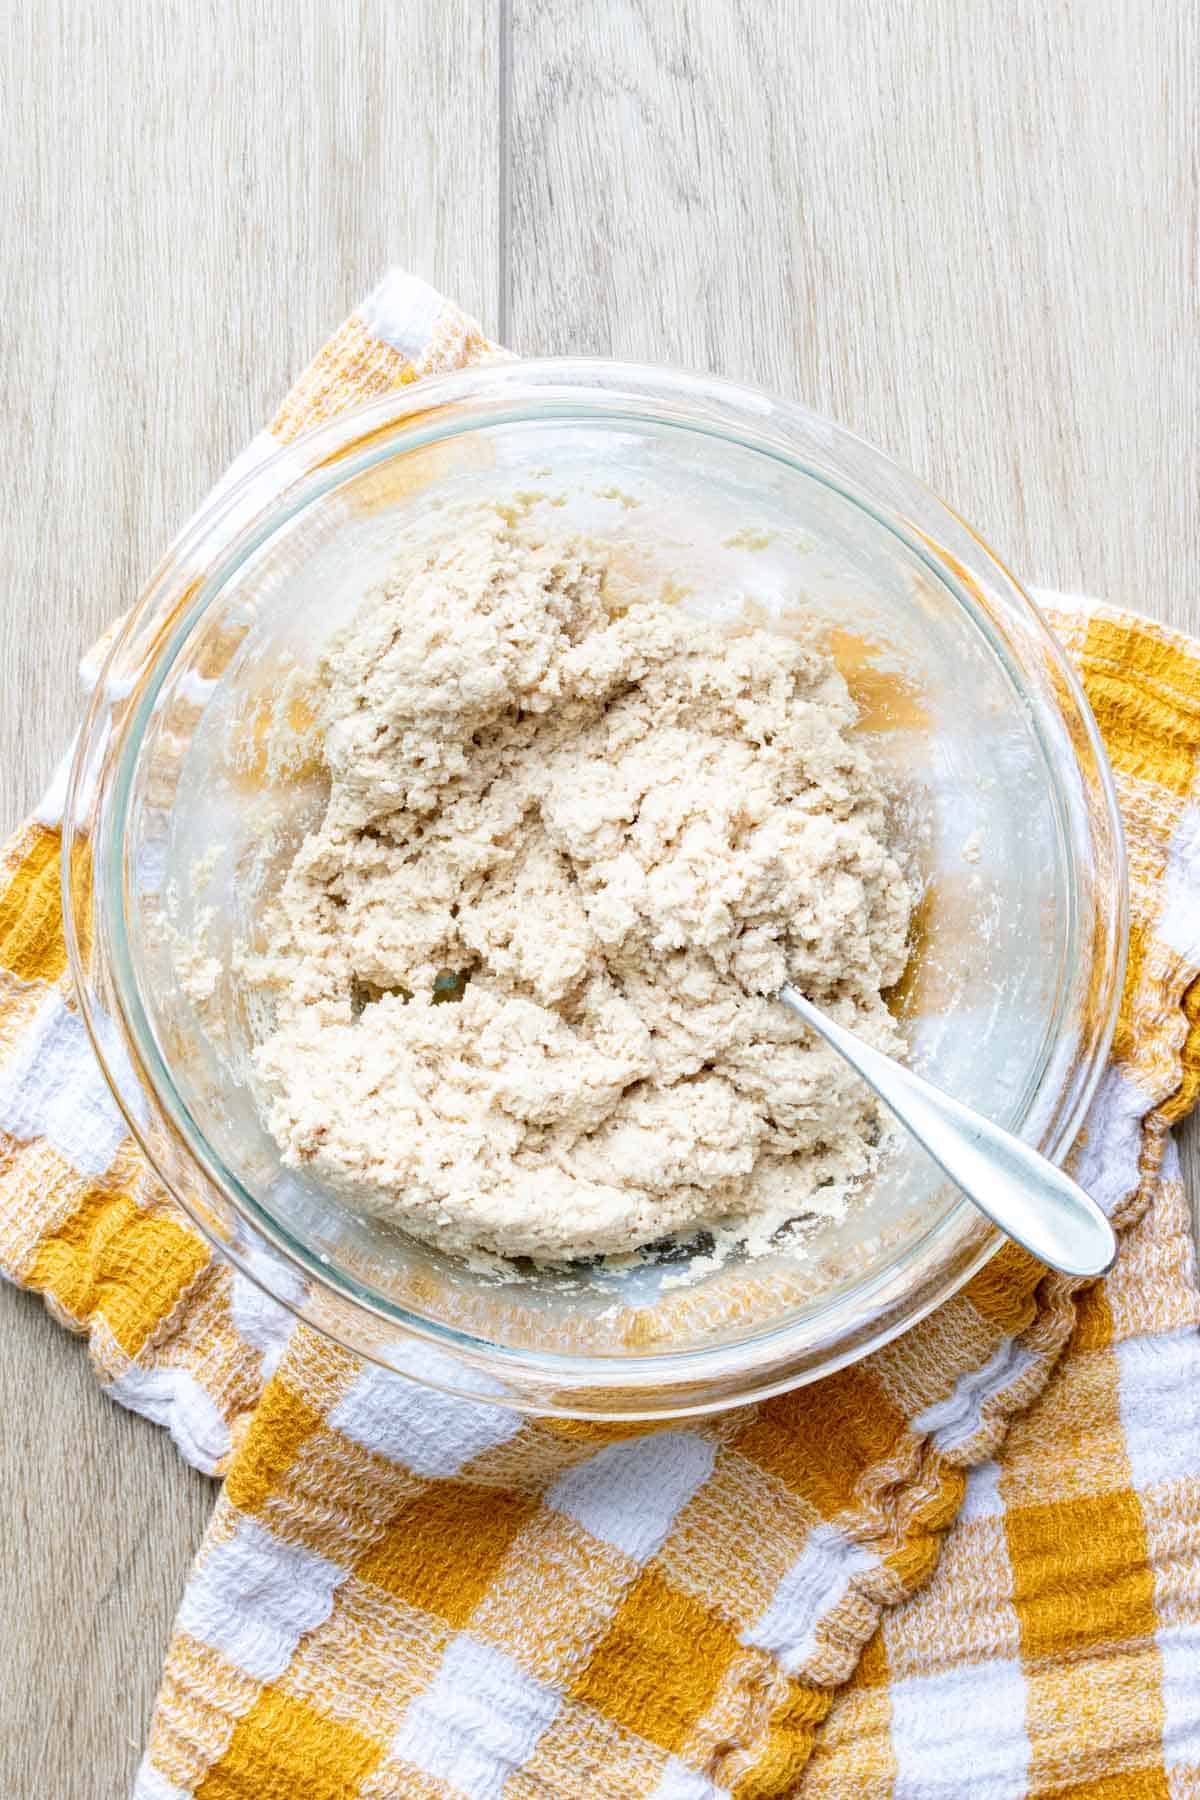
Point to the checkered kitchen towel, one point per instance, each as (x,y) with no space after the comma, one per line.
(405,1594)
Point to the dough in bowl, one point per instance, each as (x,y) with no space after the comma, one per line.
(576,837)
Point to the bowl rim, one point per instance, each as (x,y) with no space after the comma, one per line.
(320,459)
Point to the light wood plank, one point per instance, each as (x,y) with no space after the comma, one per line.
(965,231)
(201,191)
(204,192)
(968,232)
(101,1520)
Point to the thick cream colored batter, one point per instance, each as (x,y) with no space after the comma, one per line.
(619,828)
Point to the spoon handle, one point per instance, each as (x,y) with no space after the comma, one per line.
(1018,1188)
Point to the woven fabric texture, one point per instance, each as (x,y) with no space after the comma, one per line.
(402,1593)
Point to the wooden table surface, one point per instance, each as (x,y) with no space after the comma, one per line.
(967,231)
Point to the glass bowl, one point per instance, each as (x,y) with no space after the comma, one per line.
(189,791)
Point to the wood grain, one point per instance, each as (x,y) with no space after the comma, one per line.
(202,191)
(968,232)
(100,1522)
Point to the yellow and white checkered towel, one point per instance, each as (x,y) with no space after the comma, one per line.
(404,1594)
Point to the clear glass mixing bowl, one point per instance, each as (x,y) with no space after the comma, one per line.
(186,801)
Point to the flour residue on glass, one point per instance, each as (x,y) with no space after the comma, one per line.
(517,980)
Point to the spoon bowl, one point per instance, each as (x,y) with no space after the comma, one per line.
(1019,1189)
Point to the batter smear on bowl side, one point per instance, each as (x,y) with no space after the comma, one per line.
(575,839)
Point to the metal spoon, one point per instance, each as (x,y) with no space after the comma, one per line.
(1019,1189)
